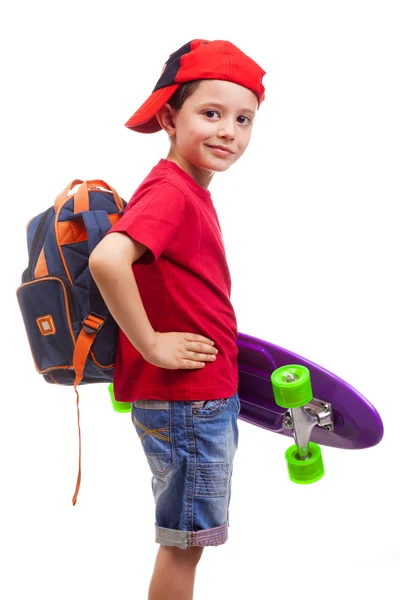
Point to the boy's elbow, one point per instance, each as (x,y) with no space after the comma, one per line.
(94,264)
(98,260)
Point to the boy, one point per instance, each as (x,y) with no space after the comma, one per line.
(177,354)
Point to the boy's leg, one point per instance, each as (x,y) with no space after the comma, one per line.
(174,573)
(190,448)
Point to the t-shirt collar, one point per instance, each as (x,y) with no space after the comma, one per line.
(196,187)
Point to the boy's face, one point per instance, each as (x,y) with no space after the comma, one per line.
(219,113)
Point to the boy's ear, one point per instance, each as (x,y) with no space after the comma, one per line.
(165,118)
(158,117)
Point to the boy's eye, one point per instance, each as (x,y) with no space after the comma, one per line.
(207,112)
(244,117)
(210,111)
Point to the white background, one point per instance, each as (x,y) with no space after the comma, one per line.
(310,223)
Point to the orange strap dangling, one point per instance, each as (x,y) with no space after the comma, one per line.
(91,326)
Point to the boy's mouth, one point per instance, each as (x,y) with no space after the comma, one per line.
(221,149)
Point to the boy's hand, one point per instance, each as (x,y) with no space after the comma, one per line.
(180,351)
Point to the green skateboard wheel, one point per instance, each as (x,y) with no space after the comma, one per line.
(291,386)
(305,471)
(121,407)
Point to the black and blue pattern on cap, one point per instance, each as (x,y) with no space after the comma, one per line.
(172,67)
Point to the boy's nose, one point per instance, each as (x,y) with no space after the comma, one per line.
(227,131)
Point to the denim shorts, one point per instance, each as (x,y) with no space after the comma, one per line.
(190,448)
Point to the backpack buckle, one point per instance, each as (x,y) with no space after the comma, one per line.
(93,322)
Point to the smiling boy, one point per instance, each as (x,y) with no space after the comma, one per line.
(163,273)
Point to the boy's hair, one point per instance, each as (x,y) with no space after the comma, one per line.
(183,92)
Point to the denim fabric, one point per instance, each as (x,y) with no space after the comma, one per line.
(190,447)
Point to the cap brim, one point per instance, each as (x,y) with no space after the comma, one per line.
(144,119)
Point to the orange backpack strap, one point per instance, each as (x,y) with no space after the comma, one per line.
(81,196)
(91,326)
(61,198)
(96,183)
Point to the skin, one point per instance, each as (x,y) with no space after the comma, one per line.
(200,123)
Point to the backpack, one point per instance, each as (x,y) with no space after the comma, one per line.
(71,332)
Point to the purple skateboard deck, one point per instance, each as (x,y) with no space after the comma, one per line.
(357,423)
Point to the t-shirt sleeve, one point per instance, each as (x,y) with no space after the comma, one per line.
(153,220)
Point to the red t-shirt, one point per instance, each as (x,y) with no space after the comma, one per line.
(184,284)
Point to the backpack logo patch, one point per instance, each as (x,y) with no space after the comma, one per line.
(46,325)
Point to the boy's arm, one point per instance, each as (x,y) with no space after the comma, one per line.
(110,264)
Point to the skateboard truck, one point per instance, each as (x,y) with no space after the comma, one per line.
(291,386)
(303,420)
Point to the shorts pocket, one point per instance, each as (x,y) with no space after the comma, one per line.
(211,408)
(153,427)
(212,480)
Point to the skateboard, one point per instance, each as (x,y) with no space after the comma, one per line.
(285,393)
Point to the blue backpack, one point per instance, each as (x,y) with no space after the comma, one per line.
(71,333)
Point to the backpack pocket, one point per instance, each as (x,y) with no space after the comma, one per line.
(49,312)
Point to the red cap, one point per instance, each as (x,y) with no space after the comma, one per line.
(198,59)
